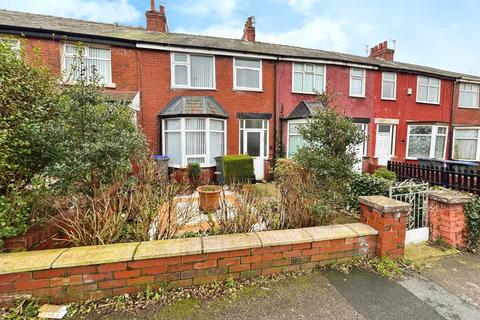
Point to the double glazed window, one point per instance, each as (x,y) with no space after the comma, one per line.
(468,96)
(357,82)
(428,90)
(389,85)
(189,140)
(193,71)
(308,78)
(426,141)
(87,59)
(294,139)
(466,144)
(248,74)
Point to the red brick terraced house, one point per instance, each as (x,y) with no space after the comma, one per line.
(199,97)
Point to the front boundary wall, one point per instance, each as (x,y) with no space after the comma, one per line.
(95,272)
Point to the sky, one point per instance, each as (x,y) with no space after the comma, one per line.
(437,33)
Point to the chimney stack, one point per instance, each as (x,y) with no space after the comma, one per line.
(156,20)
(381,51)
(249,31)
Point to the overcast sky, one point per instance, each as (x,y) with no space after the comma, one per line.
(437,33)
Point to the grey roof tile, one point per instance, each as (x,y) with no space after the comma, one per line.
(193,105)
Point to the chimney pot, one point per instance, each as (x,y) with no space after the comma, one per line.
(381,51)
(249,30)
(152,5)
(162,9)
(156,20)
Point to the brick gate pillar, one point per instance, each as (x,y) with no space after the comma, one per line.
(389,218)
(447,217)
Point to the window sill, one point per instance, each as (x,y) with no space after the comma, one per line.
(426,102)
(354,96)
(389,99)
(247,89)
(300,92)
(193,88)
(462,107)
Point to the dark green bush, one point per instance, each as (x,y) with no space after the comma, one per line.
(237,167)
(385,174)
(367,185)
(472,213)
(194,172)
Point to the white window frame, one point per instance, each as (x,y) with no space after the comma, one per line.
(86,47)
(364,80)
(265,131)
(304,64)
(477,153)
(429,85)
(296,121)
(433,140)
(364,129)
(260,75)
(470,91)
(394,81)
(393,137)
(183,131)
(188,64)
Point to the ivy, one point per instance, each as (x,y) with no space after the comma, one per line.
(472,215)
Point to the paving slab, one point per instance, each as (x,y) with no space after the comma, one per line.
(168,248)
(422,252)
(88,255)
(332,232)
(28,260)
(284,237)
(230,242)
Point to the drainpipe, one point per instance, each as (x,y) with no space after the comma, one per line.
(275,112)
(452,114)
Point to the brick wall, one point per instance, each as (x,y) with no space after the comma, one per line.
(60,276)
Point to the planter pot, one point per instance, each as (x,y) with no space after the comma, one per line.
(209,196)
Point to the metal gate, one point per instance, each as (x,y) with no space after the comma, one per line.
(414,193)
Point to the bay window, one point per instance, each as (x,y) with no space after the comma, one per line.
(294,139)
(466,144)
(428,90)
(308,78)
(357,82)
(247,74)
(468,95)
(193,140)
(192,71)
(426,141)
(389,85)
(91,58)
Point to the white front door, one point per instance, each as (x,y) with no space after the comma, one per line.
(361,148)
(253,136)
(384,146)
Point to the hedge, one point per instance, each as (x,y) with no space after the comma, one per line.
(237,167)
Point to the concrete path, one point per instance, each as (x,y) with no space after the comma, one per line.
(448,289)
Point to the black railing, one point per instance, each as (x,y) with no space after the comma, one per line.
(467,180)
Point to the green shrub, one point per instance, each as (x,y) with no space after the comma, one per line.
(237,168)
(472,213)
(367,185)
(385,174)
(194,172)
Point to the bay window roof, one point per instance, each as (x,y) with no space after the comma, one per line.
(305,109)
(200,106)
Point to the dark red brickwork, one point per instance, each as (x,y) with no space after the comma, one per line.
(99,281)
(447,221)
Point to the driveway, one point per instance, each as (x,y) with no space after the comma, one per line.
(448,289)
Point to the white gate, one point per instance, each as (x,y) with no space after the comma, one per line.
(414,193)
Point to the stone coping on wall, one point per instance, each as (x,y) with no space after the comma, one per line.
(384,204)
(94,255)
(450,197)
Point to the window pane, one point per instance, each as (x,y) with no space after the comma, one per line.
(308,86)
(434,82)
(181,75)
(358,72)
(419,146)
(423,81)
(384,128)
(442,130)
(422,93)
(293,127)
(180,57)
(172,124)
(421,130)
(298,81)
(216,125)
(357,87)
(202,71)
(388,89)
(247,78)
(309,67)
(294,143)
(319,69)
(173,147)
(433,94)
(70,49)
(440,147)
(216,145)
(253,124)
(195,124)
(465,149)
(298,67)
(388,76)
(100,53)
(253,144)
(468,99)
(195,143)
(248,63)
(466,133)
(196,160)
(319,82)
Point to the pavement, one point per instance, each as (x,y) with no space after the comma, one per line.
(447,288)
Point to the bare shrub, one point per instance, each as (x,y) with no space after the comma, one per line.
(299,206)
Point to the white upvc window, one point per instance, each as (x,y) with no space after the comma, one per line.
(426,141)
(294,139)
(357,82)
(193,140)
(428,90)
(308,78)
(247,74)
(91,58)
(192,71)
(466,144)
(389,85)
(468,96)
(12,43)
